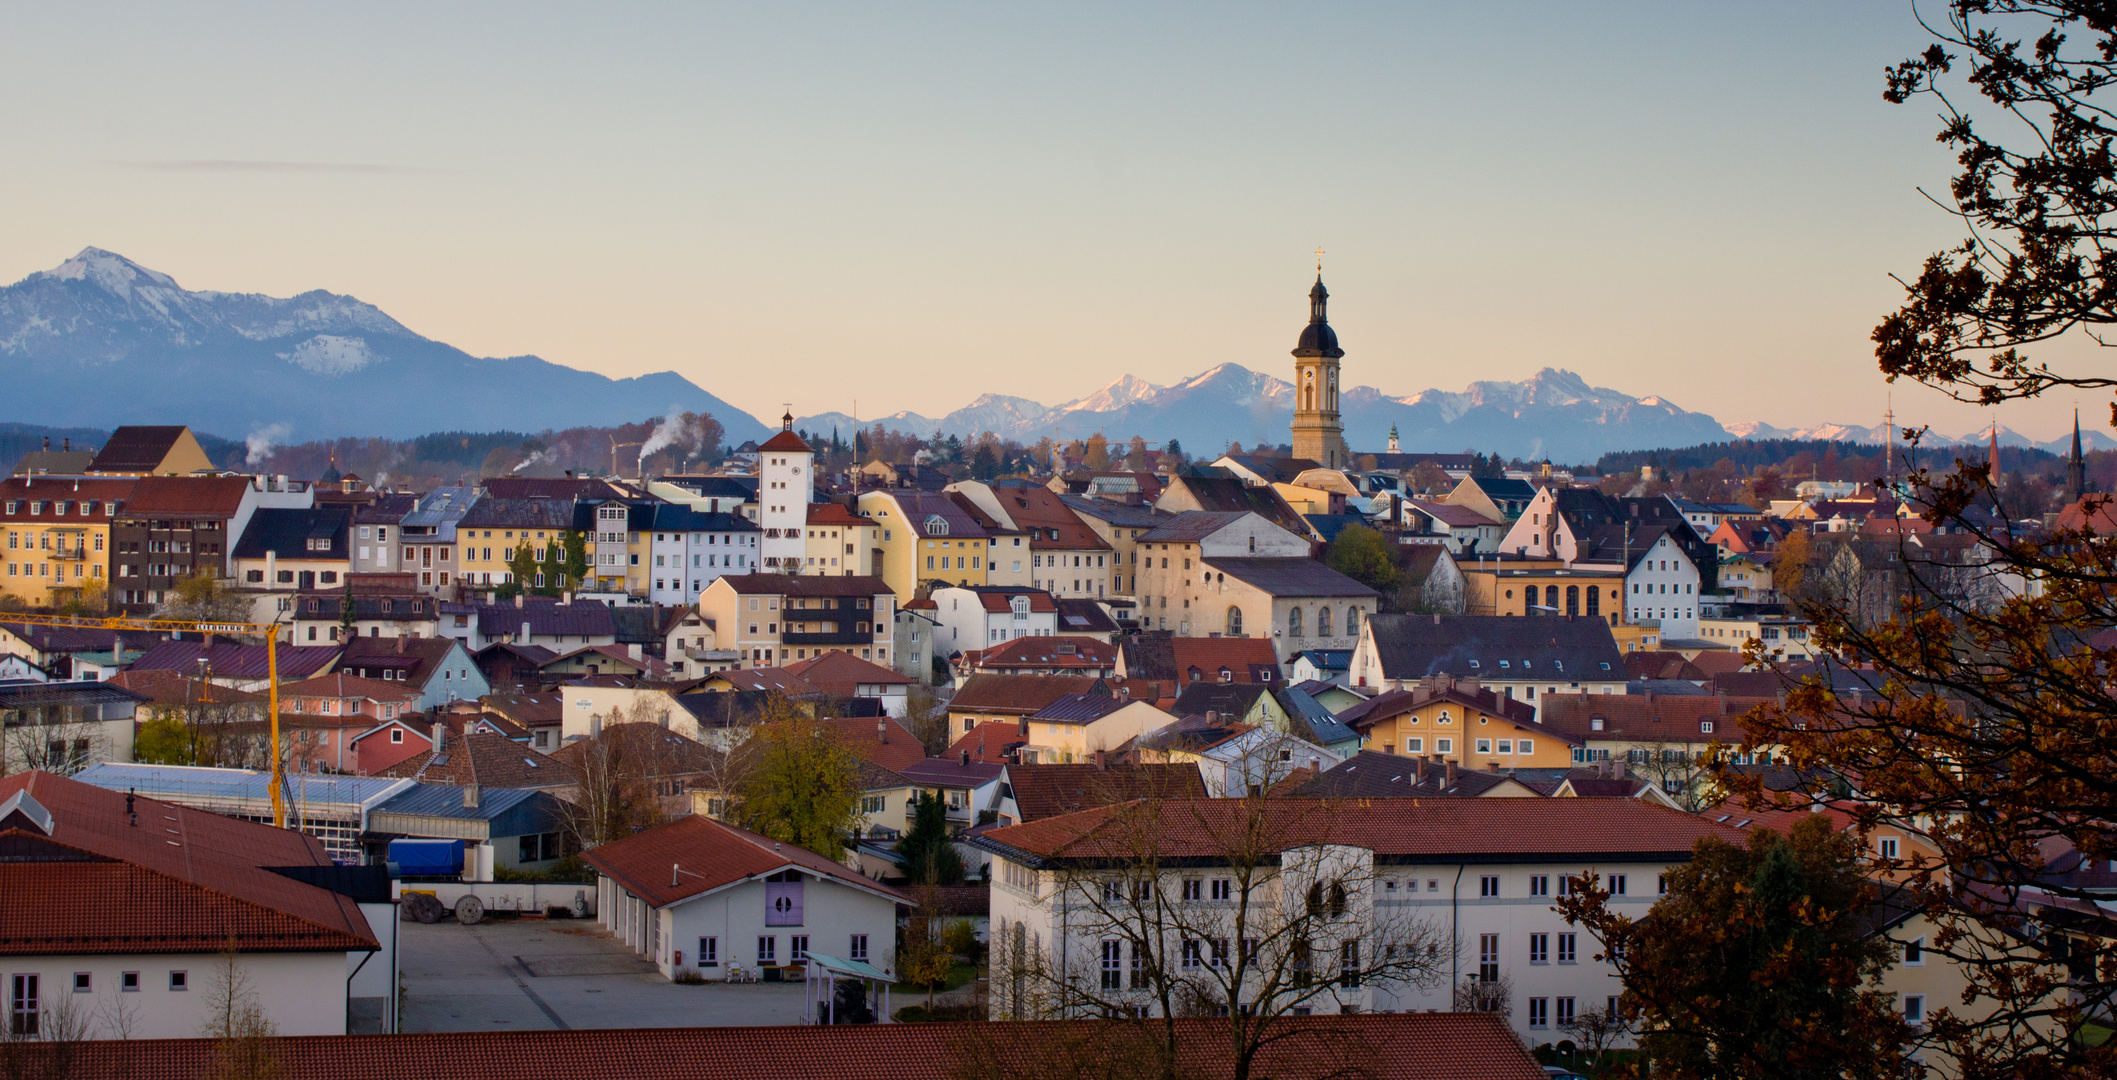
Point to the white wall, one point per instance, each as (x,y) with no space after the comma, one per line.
(302,993)
(831,914)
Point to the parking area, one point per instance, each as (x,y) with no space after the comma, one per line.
(562,973)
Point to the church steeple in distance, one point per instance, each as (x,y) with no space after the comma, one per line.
(1319,434)
(2077,464)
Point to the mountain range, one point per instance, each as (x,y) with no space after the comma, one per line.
(101,340)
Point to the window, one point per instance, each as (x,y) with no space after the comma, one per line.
(179,980)
(1914,1007)
(1488,957)
(1488,886)
(1484,746)
(1113,964)
(129,982)
(1293,623)
(798,948)
(1565,1004)
(768,950)
(1886,846)
(1349,964)
(709,952)
(1539,1012)
(1568,948)
(1193,889)
(1223,888)
(1539,948)
(84,983)
(1193,953)
(1915,952)
(1220,952)
(23,1008)
(1540,885)
(859,947)
(1617,884)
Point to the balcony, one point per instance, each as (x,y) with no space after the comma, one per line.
(833,638)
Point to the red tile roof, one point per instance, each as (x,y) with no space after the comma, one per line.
(182,880)
(884,741)
(1023,694)
(988,742)
(1570,829)
(1051,524)
(834,514)
(20,491)
(342,685)
(768,678)
(1049,791)
(786,442)
(710,855)
(230,660)
(1672,718)
(1398,1046)
(841,673)
(1241,656)
(1045,653)
(179,688)
(186,496)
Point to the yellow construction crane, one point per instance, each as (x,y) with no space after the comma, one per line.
(269,631)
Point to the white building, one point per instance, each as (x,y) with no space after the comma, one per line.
(1356,884)
(159,891)
(786,483)
(1522,658)
(697,896)
(981,616)
(1662,585)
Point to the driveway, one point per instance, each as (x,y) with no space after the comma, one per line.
(562,973)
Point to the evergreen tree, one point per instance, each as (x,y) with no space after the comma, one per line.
(929,855)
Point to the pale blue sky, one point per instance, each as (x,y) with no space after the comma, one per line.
(911,205)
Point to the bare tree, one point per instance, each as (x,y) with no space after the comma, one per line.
(1241,910)
(1596,1030)
(41,729)
(1480,994)
(237,1022)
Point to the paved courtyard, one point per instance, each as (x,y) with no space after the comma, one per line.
(562,973)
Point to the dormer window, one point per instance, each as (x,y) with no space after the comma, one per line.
(1705,727)
(936,526)
(1226,675)
(1595,723)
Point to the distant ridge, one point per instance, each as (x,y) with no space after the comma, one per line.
(101,340)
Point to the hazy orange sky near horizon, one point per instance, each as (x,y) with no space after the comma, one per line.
(908,206)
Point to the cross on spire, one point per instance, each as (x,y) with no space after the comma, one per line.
(1319,262)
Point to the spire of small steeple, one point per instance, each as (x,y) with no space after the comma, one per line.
(2077,464)
(1993,458)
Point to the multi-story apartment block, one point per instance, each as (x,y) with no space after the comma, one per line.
(58,534)
(494,529)
(771,619)
(840,543)
(1317,905)
(375,528)
(979,617)
(1067,557)
(1120,525)
(426,538)
(931,536)
(176,526)
(1523,659)
(283,552)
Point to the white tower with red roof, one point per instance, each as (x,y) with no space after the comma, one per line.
(786,483)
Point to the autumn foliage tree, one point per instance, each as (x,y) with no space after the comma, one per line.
(1756,964)
(802,787)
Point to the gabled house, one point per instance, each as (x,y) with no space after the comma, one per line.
(1234,759)
(1236,574)
(151,450)
(1519,658)
(745,901)
(1459,720)
(1067,558)
(983,616)
(1500,499)
(437,668)
(1373,775)
(1042,656)
(846,677)
(58,535)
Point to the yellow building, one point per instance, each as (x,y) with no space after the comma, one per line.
(1458,720)
(926,536)
(1530,587)
(57,536)
(489,534)
(151,450)
(841,543)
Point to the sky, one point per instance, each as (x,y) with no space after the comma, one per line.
(868,208)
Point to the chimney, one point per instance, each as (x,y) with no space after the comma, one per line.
(1212,718)
(400,646)
(966,758)
(525,625)
(470,796)
(1450,774)
(1418,769)
(47,444)
(1102,761)
(518,601)
(882,730)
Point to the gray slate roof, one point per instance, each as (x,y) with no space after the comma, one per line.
(1496,647)
(1290,577)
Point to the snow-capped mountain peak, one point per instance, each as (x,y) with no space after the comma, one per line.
(114,273)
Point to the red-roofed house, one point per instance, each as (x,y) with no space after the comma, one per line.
(982,616)
(1043,656)
(840,542)
(126,899)
(1066,557)
(1490,866)
(698,896)
(843,675)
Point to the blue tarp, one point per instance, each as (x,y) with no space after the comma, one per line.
(427,857)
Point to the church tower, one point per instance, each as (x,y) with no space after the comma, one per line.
(2077,464)
(785,485)
(1318,434)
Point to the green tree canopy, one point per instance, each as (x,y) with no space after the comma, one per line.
(804,788)
(1366,556)
(1757,963)
(929,855)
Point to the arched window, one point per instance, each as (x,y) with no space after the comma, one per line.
(1234,621)
(1352,622)
(1293,623)
(1323,622)
(1551,598)
(1573,600)
(1594,601)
